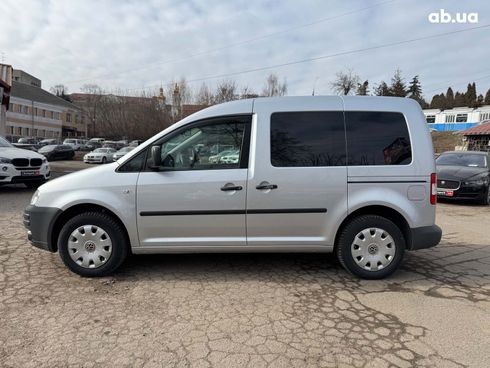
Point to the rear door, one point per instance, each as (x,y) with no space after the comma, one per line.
(297,187)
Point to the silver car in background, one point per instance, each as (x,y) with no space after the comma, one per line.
(349,175)
(116,156)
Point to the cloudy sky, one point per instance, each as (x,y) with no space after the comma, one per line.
(136,45)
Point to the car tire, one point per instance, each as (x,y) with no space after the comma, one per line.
(370,247)
(485,199)
(104,160)
(93,244)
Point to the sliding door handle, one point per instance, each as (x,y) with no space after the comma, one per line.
(231,188)
(266,186)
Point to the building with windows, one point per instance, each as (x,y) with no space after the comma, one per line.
(5,85)
(34,112)
(459,118)
(25,78)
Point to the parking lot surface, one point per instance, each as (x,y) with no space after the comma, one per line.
(273,310)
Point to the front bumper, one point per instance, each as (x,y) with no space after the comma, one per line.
(39,222)
(465,191)
(424,237)
(9,174)
(95,160)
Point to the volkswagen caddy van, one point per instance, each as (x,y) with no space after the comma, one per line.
(350,175)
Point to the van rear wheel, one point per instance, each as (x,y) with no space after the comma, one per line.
(92,244)
(370,247)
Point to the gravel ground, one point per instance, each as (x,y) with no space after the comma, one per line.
(268,310)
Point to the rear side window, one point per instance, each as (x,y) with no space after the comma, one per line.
(377,138)
(306,139)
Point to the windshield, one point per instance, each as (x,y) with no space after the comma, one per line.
(100,150)
(462,159)
(69,141)
(47,148)
(4,143)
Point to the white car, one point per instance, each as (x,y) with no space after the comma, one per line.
(116,156)
(99,156)
(231,158)
(22,166)
(217,158)
(76,144)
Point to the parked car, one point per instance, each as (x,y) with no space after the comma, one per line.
(27,143)
(314,175)
(99,156)
(22,166)
(464,175)
(48,141)
(112,144)
(91,145)
(57,152)
(98,140)
(135,143)
(76,144)
(217,158)
(121,152)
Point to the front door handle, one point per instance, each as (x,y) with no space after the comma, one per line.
(266,186)
(231,188)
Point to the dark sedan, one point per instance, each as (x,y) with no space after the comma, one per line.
(464,175)
(57,152)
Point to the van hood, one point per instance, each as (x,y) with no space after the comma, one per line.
(87,178)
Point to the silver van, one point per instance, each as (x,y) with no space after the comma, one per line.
(350,175)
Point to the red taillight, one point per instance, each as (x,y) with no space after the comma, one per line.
(433,188)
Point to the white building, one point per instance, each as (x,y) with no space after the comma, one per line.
(34,112)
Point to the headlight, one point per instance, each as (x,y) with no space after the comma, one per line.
(45,160)
(34,198)
(478,180)
(4,160)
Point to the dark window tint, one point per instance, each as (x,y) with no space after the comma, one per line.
(307,139)
(135,164)
(377,138)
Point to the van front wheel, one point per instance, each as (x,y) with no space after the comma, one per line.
(92,244)
(370,247)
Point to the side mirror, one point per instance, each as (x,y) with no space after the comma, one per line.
(156,157)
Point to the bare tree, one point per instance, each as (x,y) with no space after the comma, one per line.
(204,96)
(89,104)
(226,91)
(273,87)
(247,92)
(345,83)
(60,90)
(135,117)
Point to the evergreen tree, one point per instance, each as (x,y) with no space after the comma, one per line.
(362,88)
(470,95)
(382,90)
(459,100)
(398,87)
(479,100)
(438,102)
(414,89)
(487,98)
(415,92)
(450,98)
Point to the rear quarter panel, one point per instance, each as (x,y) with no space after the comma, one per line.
(405,188)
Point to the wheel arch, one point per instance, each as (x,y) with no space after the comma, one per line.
(76,209)
(391,214)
